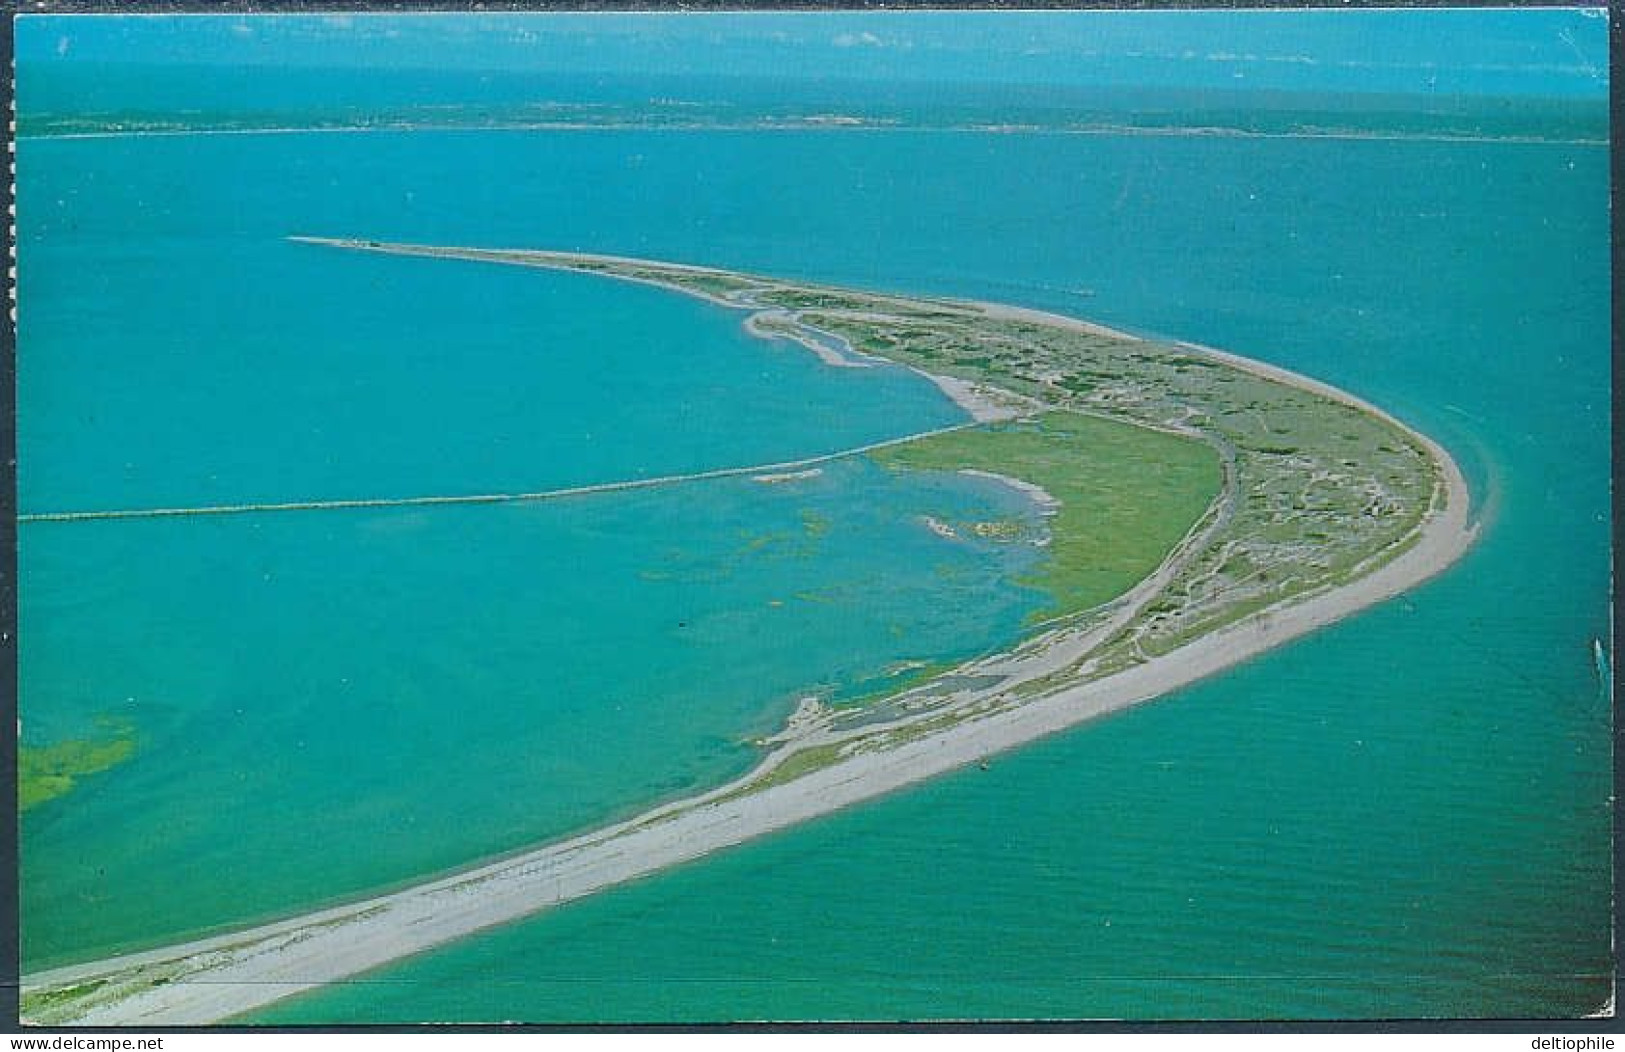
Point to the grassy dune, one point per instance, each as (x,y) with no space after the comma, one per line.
(1127,494)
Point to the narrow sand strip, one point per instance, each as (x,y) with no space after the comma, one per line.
(213,979)
(246,970)
(758,325)
(1047,504)
(782,469)
(984,404)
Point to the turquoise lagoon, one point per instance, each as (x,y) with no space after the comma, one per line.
(402,691)
(1407,814)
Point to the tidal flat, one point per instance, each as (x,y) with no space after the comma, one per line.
(1374,529)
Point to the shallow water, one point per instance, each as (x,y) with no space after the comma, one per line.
(1403,816)
(401,691)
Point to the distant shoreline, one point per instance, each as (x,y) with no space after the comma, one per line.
(213,979)
(1102,131)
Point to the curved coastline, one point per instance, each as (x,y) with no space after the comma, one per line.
(212,979)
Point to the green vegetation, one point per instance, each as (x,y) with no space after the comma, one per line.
(37,1005)
(1127,494)
(45,772)
(1269,490)
(864,693)
(717,284)
(804,761)
(1315,490)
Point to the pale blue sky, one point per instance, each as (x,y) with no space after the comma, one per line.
(1557,52)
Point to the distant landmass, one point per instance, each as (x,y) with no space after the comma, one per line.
(137,98)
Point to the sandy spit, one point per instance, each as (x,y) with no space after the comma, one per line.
(282,959)
(275,961)
(1040,496)
(217,978)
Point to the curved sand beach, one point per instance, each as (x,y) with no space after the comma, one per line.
(210,980)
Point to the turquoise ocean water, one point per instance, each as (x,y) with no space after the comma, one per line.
(1404,815)
(401,691)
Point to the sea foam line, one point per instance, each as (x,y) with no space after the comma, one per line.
(487,498)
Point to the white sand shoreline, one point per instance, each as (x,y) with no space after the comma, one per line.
(331,945)
(1046,503)
(209,980)
(826,354)
(983,406)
